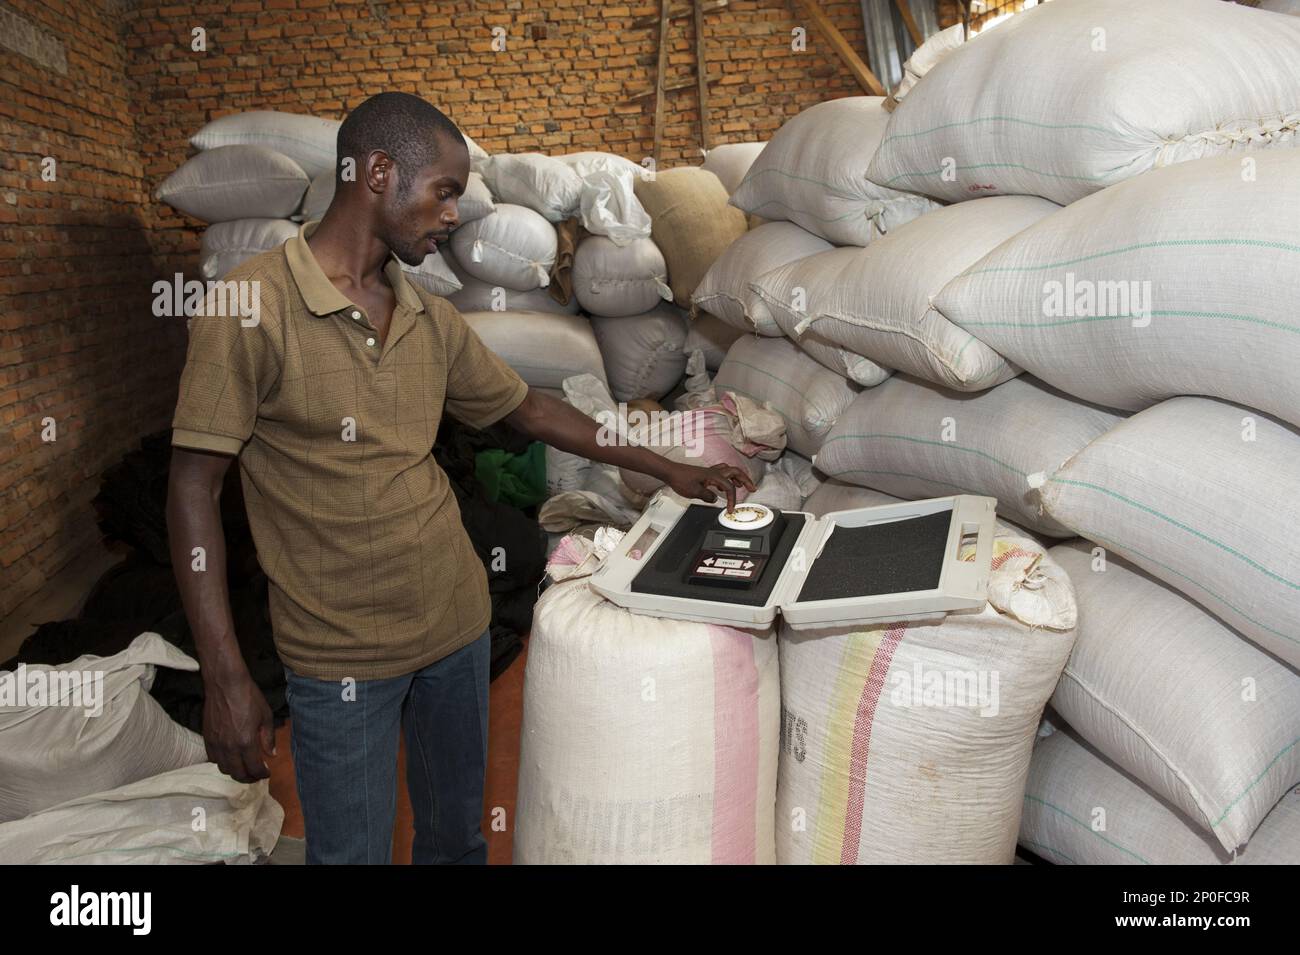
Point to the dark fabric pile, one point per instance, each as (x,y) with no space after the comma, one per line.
(516,569)
(141,595)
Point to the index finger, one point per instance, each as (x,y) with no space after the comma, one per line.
(726,487)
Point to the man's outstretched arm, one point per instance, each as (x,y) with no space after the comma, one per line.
(562,426)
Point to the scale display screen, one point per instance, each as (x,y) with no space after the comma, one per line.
(741,543)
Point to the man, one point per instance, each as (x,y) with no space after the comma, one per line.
(331,399)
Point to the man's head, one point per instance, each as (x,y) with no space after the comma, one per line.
(410,164)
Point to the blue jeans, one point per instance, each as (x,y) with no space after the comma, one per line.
(345,760)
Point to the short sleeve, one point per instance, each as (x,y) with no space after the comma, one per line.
(481,388)
(230,368)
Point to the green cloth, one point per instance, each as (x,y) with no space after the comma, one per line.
(516,479)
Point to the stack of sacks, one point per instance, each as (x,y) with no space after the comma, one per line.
(544,348)
(1068,98)
(1188,732)
(775,373)
(863,311)
(644,740)
(911,742)
(813,173)
(1151,285)
(251,179)
(916,440)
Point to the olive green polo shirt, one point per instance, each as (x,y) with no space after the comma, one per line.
(371,572)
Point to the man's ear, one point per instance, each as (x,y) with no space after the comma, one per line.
(381,171)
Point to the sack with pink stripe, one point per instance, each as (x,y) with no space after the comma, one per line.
(910,742)
(644,740)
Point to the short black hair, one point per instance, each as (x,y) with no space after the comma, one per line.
(404,126)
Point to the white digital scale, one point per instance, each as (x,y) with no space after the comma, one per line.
(894,562)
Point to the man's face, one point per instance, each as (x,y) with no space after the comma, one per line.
(420,212)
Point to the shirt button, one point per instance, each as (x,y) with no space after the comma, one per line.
(356,316)
(370,342)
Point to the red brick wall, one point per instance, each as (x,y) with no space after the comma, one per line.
(78,341)
(77,338)
(564,91)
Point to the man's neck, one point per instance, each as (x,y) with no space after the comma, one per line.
(347,252)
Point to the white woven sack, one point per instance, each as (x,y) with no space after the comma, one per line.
(1181,281)
(152,822)
(225,245)
(725,290)
(644,740)
(877,302)
(541,183)
(94,727)
(730,161)
(1082,810)
(924,58)
(643,354)
(543,347)
(1202,495)
(1068,98)
(917,440)
(434,274)
(910,743)
(235,182)
(776,373)
(613,280)
(310,141)
(813,173)
(1172,696)
(513,247)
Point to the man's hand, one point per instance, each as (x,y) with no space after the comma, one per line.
(696,482)
(238,729)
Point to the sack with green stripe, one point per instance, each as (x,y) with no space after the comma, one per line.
(1171,695)
(875,303)
(813,173)
(916,440)
(1077,95)
(1082,810)
(1200,494)
(776,374)
(910,742)
(1182,281)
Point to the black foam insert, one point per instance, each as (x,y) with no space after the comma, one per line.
(667,571)
(891,558)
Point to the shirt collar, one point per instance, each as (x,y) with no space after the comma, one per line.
(321,295)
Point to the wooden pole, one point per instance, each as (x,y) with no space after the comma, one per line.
(659,78)
(701,74)
(861,72)
(909,22)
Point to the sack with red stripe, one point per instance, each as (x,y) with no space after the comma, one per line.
(910,742)
(644,739)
